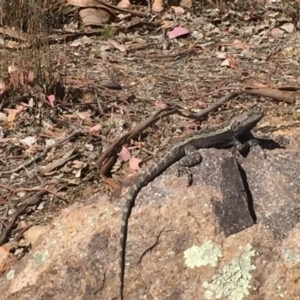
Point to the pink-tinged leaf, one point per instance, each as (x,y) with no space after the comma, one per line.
(20,108)
(62,136)
(95,129)
(133,174)
(160,104)
(125,4)
(77,164)
(221,55)
(276,33)
(32,149)
(237,44)
(51,99)
(16,110)
(134,163)
(178,10)
(191,125)
(30,76)
(200,104)
(225,63)
(78,173)
(177,32)
(2,86)
(124,154)
(4,140)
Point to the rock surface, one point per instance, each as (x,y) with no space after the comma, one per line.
(199,242)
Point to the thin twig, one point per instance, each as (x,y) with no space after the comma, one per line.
(40,156)
(6,231)
(204,113)
(37,188)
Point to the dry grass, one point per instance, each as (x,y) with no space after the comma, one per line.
(36,18)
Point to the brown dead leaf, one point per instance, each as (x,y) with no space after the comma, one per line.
(95,129)
(166,24)
(158,6)
(20,78)
(186,3)
(77,164)
(82,41)
(7,260)
(33,150)
(84,115)
(221,55)
(288,27)
(110,182)
(84,3)
(18,35)
(125,4)
(59,162)
(117,45)
(11,116)
(2,86)
(95,17)
(192,124)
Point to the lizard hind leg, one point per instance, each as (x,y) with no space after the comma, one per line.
(192,157)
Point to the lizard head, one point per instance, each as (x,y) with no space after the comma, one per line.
(245,122)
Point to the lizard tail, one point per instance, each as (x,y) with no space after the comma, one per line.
(123,239)
(153,171)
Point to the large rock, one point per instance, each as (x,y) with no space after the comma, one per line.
(199,242)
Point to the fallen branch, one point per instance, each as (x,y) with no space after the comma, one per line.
(108,157)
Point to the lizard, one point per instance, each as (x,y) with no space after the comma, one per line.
(185,150)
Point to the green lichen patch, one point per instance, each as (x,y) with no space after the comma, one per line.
(207,254)
(233,281)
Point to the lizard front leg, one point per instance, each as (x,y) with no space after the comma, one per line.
(192,157)
(241,147)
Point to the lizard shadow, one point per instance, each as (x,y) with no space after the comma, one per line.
(250,202)
(264,144)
